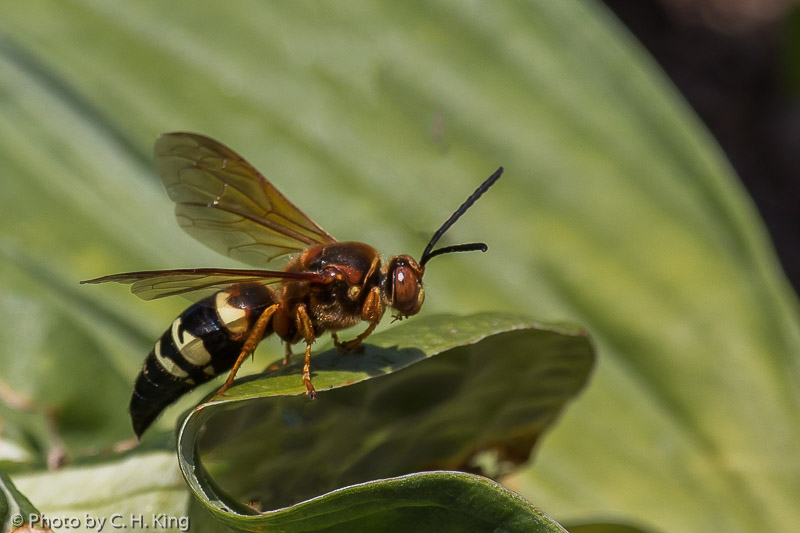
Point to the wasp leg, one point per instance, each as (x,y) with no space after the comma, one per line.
(372,311)
(288,355)
(253,338)
(347,346)
(307,331)
(311,392)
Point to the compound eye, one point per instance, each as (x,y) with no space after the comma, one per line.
(407,291)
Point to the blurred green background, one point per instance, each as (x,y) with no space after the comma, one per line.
(617,212)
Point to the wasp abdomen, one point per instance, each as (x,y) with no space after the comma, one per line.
(203,342)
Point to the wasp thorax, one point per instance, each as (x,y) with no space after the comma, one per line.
(405,279)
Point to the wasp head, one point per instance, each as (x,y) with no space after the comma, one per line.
(404,285)
(404,274)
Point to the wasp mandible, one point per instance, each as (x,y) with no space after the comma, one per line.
(225,203)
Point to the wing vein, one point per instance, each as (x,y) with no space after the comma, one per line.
(225,203)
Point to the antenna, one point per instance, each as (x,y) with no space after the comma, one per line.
(427,255)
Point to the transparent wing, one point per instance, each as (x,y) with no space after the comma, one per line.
(152,284)
(225,203)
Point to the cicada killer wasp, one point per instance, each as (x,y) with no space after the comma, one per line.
(327,285)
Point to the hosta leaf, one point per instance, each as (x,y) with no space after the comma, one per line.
(17,514)
(137,493)
(616,211)
(472,393)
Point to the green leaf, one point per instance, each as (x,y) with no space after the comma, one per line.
(616,211)
(470,393)
(429,501)
(478,383)
(604,527)
(51,415)
(142,492)
(16,512)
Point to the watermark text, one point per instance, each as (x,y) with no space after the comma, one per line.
(114,522)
